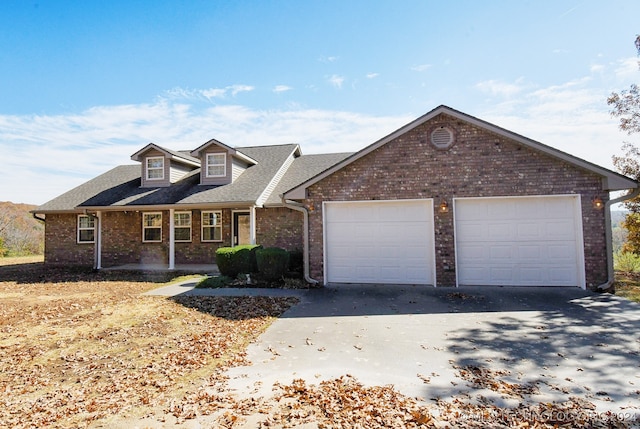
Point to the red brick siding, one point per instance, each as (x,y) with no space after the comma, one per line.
(122,238)
(60,241)
(479,164)
(279,227)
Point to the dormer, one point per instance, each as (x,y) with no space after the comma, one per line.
(161,167)
(221,164)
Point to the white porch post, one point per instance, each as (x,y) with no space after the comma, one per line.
(252,224)
(172,240)
(98,240)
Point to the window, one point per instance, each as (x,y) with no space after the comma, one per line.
(216,164)
(155,168)
(152,227)
(182,226)
(212,226)
(86,229)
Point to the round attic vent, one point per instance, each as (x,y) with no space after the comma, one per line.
(442,137)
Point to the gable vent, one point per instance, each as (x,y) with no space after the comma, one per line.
(442,137)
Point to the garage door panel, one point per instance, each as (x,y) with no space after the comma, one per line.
(519,241)
(379,242)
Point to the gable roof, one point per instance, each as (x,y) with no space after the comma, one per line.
(178,156)
(233,151)
(119,188)
(611,180)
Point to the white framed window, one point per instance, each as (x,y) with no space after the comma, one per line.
(86,229)
(152,227)
(182,226)
(155,168)
(216,164)
(212,226)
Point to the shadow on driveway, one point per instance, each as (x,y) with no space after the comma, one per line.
(561,342)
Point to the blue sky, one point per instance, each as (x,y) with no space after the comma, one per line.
(85,84)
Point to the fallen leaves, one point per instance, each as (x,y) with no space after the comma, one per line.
(483,377)
(76,350)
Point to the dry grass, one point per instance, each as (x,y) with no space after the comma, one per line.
(628,286)
(77,347)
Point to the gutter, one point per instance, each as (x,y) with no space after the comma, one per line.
(305,252)
(608,237)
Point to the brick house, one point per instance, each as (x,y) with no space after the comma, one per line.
(448,199)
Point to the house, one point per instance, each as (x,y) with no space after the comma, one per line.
(448,199)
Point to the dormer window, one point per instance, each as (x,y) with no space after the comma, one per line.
(216,164)
(155,168)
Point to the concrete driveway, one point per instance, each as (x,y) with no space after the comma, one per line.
(562,341)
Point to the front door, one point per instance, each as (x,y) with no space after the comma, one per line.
(241,228)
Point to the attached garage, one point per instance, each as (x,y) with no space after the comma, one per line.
(519,241)
(379,242)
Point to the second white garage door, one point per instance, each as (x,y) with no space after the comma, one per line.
(519,241)
(379,242)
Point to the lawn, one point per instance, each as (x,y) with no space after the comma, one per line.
(87,349)
(628,285)
(78,347)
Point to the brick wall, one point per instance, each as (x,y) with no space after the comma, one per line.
(122,238)
(478,164)
(279,227)
(60,242)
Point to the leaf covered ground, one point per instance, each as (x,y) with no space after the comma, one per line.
(85,349)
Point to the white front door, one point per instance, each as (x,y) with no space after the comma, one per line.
(519,241)
(379,242)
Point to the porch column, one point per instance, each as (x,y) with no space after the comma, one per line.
(172,239)
(252,224)
(98,241)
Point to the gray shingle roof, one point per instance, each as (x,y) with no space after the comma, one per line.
(304,168)
(120,187)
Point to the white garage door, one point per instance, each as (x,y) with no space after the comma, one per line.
(379,242)
(519,241)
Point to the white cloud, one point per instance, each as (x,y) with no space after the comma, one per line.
(281,88)
(628,68)
(372,75)
(52,154)
(498,88)
(329,59)
(214,92)
(178,93)
(336,80)
(421,67)
(236,89)
(572,116)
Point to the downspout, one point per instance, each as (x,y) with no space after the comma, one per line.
(608,236)
(305,241)
(41,219)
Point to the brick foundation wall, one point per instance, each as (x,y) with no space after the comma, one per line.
(479,164)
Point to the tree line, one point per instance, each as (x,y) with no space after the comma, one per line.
(20,233)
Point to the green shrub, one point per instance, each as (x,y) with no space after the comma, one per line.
(296,261)
(232,261)
(626,261)
(214,282)
(273,263)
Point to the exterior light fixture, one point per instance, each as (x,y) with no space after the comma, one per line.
(597,203)
(444,207)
